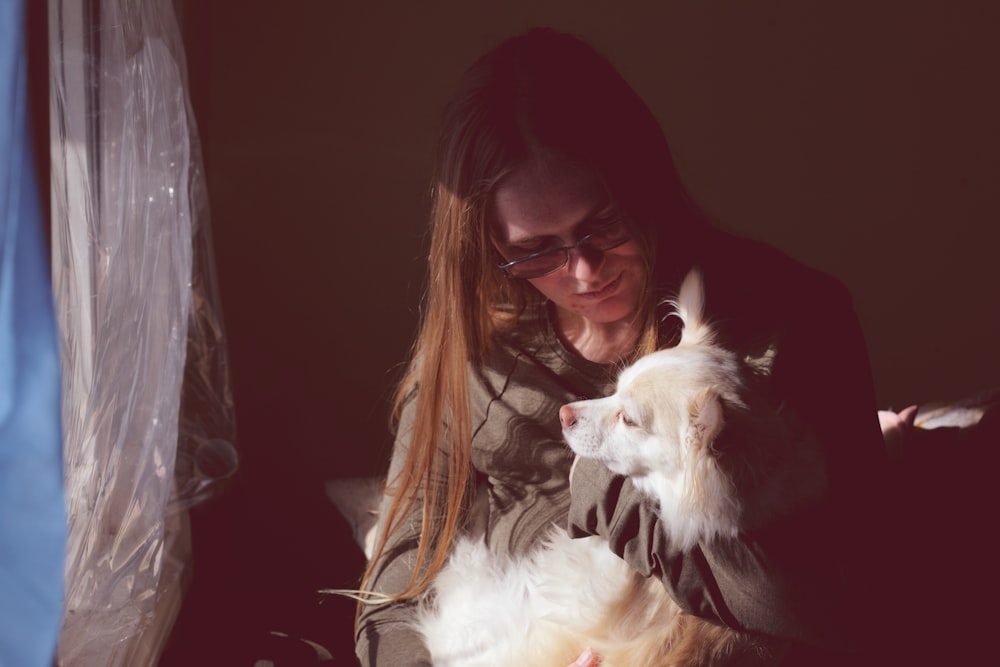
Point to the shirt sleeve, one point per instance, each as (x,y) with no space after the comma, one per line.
(385,633)
(797,577)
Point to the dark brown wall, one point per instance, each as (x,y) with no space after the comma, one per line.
(859,137)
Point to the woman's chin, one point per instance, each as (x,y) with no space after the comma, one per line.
(619,306)
(607,311)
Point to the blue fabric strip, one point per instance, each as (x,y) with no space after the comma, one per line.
(32,510)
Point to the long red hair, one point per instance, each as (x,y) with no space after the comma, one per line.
(540,91)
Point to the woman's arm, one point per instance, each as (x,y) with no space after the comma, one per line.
(385,635)
(765,582)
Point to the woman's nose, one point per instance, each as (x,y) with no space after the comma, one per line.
(585,261)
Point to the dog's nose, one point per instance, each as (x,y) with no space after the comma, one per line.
(566,416)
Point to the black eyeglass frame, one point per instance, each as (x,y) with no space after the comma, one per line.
(565,250)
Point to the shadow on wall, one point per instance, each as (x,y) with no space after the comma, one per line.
(860,139)
(861,142)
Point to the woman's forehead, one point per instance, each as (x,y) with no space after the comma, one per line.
(545,196)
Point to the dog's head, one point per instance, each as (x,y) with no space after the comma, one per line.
(659,425)
(666,409)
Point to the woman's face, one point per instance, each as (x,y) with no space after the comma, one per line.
(549,202)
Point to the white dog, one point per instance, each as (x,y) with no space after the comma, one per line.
(661,428)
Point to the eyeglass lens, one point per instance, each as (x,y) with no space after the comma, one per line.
(535,266)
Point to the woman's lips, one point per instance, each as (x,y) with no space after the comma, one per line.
(602,292)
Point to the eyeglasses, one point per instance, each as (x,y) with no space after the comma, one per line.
(539,264)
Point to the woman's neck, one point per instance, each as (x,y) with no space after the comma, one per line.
(602,343)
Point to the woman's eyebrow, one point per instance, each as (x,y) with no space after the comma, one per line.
(595,212)
(529,240)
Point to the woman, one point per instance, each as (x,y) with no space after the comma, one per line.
(559,224)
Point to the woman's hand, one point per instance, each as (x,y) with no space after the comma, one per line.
(586,659)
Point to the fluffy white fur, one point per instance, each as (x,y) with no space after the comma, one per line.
(663,428)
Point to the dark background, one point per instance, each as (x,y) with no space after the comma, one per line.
(860,137)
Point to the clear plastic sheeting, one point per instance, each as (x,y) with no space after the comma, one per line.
(148,415)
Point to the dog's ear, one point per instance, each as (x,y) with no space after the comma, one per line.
(705,419)
(690,307)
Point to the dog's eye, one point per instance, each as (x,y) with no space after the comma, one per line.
(625,419)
